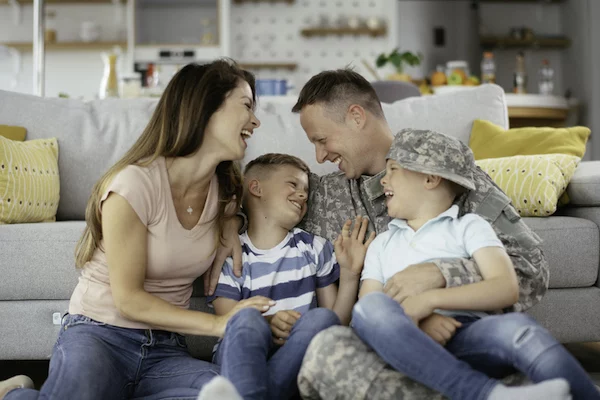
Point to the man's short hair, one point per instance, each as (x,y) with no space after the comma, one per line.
(262,166)
(337,90)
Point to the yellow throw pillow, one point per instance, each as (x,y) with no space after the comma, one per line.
(13,132)
(533,183)
(491,141)
(29,180)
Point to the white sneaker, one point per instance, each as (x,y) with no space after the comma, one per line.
(19,381)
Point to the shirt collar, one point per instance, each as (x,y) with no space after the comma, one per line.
(372,185)
(451,213)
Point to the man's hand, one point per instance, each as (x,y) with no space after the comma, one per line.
(417,307)
(414,280)
(351,248)
(281,325)
(439,327)
(231,246)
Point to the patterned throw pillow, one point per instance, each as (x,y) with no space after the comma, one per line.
(533,183)
(29,180)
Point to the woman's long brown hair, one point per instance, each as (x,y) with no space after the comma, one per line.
(176,129)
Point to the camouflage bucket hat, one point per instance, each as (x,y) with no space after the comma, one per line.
(434,153)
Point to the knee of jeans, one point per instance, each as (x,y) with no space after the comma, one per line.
(374,309)
(317,319)
(249,318)
(519,330)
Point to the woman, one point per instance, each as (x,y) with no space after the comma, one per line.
(154,221)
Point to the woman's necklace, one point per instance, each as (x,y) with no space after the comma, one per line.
(190,210)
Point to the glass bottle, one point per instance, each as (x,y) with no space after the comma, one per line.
(488,68)
(546,78)
(520,75)
(109,86)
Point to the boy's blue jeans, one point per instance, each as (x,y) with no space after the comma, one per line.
(257,367)
(92,360)
(480,351)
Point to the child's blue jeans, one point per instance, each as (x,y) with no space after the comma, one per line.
(481,351)
(257,367)
(92,360)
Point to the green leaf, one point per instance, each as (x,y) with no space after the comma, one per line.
(381,60)
(396,59)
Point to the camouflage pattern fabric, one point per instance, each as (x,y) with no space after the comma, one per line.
(342,367)
(339,366)
(434,153)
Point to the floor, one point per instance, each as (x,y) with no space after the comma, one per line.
(588,355)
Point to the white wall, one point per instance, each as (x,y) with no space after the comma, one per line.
(416,22)
(77,73)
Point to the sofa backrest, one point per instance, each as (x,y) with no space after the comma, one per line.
(94,135)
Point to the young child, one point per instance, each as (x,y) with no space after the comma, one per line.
(294,268)
(421,186)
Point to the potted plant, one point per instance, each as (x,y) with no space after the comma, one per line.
(398,60)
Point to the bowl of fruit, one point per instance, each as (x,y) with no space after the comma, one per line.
(455,76)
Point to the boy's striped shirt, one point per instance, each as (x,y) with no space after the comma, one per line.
(289,273)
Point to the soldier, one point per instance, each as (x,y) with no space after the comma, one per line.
(342,116)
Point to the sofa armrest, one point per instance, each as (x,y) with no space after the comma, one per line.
(584,188)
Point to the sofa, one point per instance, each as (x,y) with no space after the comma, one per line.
(37,266)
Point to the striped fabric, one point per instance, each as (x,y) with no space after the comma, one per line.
(289,273)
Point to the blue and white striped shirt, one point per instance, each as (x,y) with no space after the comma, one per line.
(289,273)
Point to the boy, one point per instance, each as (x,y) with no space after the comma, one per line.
(425,173)
(297,270)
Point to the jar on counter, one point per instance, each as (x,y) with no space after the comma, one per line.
(130,85)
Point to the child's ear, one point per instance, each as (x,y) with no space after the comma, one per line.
(432,181)
(254,188)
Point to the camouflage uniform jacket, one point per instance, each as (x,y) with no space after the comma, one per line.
(333,199)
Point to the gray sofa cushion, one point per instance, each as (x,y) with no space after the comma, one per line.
(584,188)
(28,332)
(91,137)
(563,310)
(40,264)
(38,260)
(571,247)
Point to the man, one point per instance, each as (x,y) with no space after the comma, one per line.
(342,116)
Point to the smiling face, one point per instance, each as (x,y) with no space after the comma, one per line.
(232,124)
(283,194)
(403,190)
(342,143)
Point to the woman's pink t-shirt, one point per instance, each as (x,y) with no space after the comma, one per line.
(176,256)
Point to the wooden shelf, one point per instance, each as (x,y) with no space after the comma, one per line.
(27,46)
(64,1)
(547,42)
(263,1)
(522,1)
(290,66)
(310,32)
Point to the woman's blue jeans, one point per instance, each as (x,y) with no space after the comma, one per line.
(92,360)
(481,351)
(258,368)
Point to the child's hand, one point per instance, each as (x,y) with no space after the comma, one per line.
(417,307)
(350,247)
(281,325)
(439,327)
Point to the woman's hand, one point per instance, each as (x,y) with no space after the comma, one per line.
(351,248)
(231,246)
(439,327)
(259,303)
